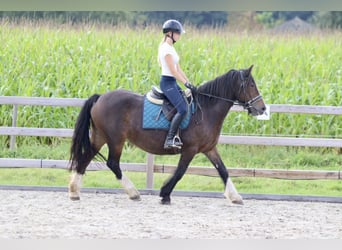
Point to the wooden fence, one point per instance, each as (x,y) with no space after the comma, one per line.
(150,167)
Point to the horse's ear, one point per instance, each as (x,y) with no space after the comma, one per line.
(249,70)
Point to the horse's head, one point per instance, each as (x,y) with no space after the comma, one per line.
(248,94)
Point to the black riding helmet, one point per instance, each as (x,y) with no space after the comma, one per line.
(173,26)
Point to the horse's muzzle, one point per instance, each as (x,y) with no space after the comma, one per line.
(254,111)
(256,106)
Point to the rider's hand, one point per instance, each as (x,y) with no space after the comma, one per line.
(191,87)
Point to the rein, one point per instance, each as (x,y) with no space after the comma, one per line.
(220,98)
(243,104)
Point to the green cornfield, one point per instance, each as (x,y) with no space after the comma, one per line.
(44,60)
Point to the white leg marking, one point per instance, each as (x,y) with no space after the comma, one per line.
(231,193)
(129,187)
(75,186)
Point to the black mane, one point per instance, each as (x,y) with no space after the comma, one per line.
(222,86)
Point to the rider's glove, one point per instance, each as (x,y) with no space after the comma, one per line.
(191,87)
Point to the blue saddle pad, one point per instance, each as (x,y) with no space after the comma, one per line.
(153,117)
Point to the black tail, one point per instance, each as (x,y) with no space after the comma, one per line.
(81,151)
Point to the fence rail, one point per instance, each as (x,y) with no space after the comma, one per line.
(150,167)
(224,139)
(195,170)
(78,102)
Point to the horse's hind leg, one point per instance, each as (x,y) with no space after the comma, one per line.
(114,164)
(75,186)
(78,171)
(75,183)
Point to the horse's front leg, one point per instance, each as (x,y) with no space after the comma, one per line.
(169,185)
(230,191)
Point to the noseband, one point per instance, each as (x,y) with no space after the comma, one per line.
(245,105)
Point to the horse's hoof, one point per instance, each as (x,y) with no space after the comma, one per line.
(133,194)
(165,201)
(135,198)
(238,202)
(75,198)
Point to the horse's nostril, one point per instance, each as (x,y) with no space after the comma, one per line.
(263,108)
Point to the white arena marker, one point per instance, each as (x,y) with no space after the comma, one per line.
(266,115)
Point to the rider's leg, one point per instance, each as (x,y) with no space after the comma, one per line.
(174,94)
(170,141)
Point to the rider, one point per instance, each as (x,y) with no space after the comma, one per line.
(171,71)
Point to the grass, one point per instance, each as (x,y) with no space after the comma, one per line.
(235,156)
(105,179)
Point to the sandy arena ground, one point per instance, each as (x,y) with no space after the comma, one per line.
(51,215)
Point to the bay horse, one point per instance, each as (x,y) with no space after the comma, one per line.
(116,116)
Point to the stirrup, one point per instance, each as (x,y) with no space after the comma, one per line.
(176,143)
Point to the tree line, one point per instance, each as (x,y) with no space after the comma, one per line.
(329,19)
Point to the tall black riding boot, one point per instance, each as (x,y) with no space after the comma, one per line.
(173,141)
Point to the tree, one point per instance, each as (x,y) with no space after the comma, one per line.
(288,15)
(330,19)
(272,18)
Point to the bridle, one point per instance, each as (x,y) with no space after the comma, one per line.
(248,104)
(245,105)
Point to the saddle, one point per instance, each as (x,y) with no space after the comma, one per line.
(156,96)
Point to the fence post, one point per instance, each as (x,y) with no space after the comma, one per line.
(149,171)
(14,124)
